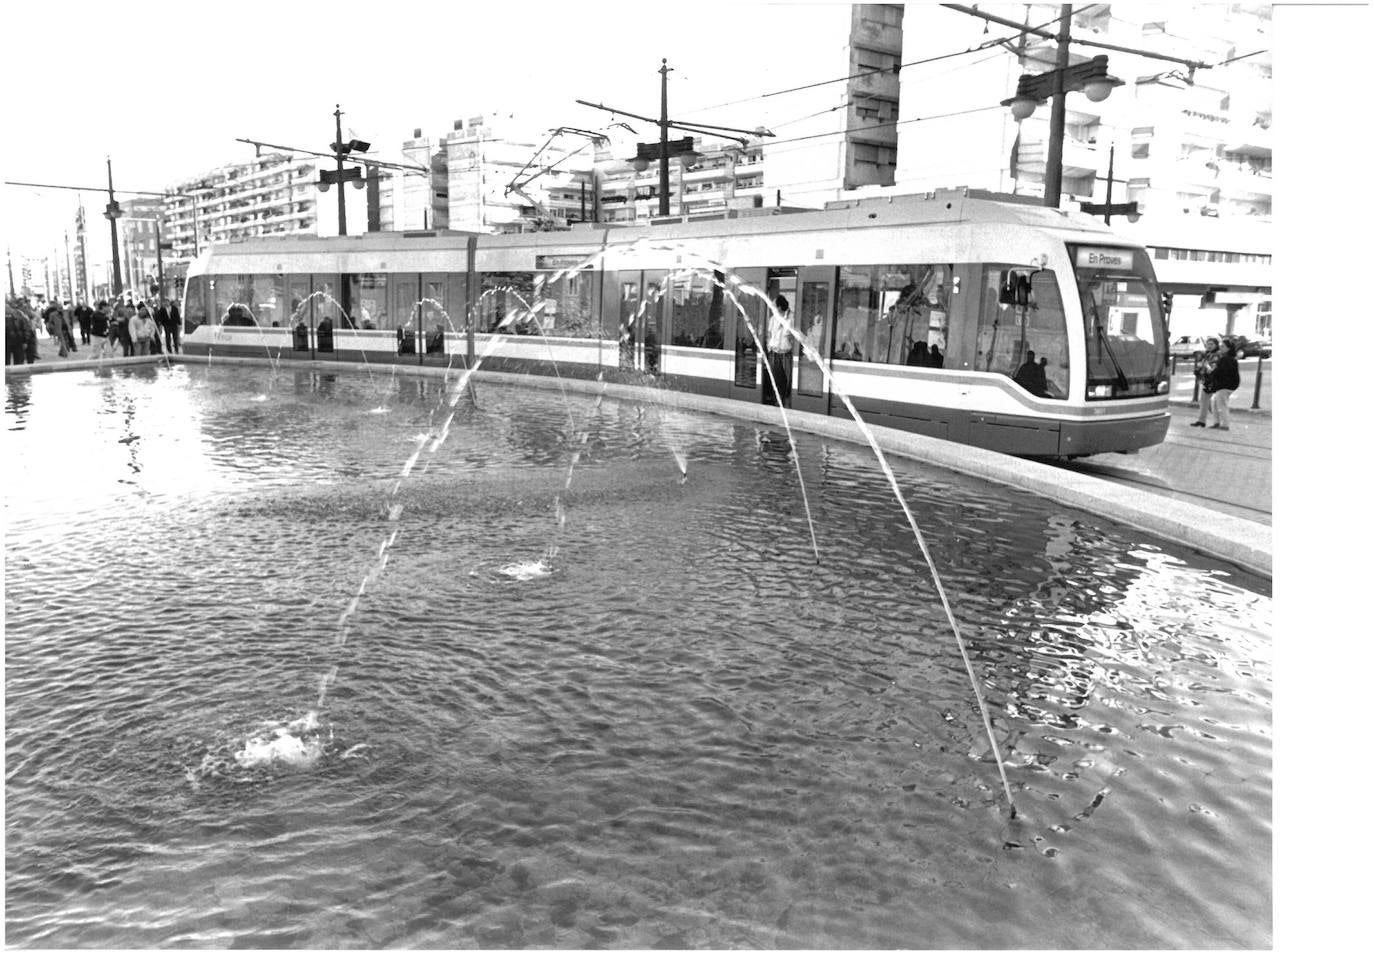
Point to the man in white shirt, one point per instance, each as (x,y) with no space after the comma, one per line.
(780,347)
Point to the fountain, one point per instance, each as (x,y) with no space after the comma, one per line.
(732,717)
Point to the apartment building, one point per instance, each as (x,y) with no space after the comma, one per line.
(267,196)
(1192,148)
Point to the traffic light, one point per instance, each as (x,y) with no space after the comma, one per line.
(1166,301)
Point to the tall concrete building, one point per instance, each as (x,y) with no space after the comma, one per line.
(267,196)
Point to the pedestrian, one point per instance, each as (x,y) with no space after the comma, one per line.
(69,324)
(100,320)
(19,331)
(780,345)
(120,329)
(54,322)
(82,313)
(141,330)
(168,318)
(1203,370)
(1225,380)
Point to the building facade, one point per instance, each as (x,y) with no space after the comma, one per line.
(268,196)
(1192,148)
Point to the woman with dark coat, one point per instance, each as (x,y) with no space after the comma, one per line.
(1203,374)
(1225,380)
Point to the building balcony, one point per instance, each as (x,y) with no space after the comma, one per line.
(1255,139)
(1079,158)
(1246,182)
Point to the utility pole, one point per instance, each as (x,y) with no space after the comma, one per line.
(663,143)
(113,213)
(1054,165)
(678,148)
(157,235)
(71,281)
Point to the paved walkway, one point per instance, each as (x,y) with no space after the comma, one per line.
(1229,471)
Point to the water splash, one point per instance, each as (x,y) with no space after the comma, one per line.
(298,745)
(527,570)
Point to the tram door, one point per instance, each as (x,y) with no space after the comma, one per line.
(781,283)
(813,315)
(404,292)
(640,321)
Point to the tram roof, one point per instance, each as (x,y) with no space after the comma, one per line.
(941,207)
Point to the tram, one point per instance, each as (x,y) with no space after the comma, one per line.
(954,314)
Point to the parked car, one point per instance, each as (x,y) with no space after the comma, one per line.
(1187,346)
(1247,347)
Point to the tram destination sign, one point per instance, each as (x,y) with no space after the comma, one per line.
(1097,258)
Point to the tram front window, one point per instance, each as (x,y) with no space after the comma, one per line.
(1126,342)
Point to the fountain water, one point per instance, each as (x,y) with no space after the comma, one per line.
(632,752)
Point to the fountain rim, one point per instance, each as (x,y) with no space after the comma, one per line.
(1245,544)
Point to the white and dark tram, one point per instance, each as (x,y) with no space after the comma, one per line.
(1012,327)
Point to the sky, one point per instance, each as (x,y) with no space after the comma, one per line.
(164,90)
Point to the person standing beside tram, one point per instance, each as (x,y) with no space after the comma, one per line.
(1225,380)
(780,347)
(1202,374)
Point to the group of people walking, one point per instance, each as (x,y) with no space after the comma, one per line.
(134,329)
(1218,375)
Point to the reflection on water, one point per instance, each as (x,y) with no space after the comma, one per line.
(686,734)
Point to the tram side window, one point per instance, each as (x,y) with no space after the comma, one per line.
(913,314)
(897,314)
(193,314)
(698,309)
(857,303)
(627,302)
(568,308)
(269,298)
(505,299)
(1028,342)
(233,297)
(369,298)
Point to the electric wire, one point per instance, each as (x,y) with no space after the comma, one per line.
(892,70)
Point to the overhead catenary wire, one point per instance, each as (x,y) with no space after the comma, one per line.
(892,70)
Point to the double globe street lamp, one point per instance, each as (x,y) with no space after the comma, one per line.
(1033,90)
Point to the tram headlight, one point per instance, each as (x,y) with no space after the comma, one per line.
(1163,387)
(1099,391)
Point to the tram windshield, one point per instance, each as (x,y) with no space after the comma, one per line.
(1127,345)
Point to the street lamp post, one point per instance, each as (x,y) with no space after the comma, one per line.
(1054,164)
(340,175)
(1032,90)
(663,144)
(112,213)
